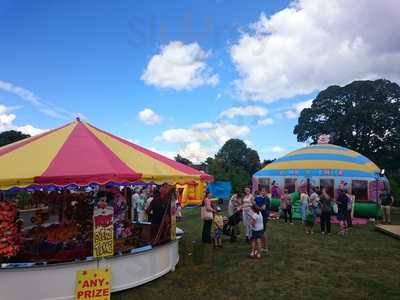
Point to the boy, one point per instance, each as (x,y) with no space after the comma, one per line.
(219,224)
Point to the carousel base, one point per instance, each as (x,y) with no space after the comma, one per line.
(57,282)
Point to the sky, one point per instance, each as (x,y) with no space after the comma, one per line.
(185,76)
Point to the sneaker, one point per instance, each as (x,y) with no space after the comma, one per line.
(322,232)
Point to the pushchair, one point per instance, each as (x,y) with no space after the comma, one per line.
(229,228)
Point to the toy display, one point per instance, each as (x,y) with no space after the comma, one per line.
(9,237)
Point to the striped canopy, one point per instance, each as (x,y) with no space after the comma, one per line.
(321,160)
(79,153)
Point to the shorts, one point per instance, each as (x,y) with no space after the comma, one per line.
(218,233)
(257,234)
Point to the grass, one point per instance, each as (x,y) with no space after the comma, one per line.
(365,264)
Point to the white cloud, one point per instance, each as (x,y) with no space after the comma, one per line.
(313,44)
(295,111)
(219,95)
(7,123)
(250,110)
(169,154)
(45,108)
(201,132)
(265,122)
(195,152)
(149,117)
(276,149)
(179,66)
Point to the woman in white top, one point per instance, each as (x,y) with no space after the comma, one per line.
(248,201)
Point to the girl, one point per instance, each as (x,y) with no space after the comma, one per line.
(257,232)
(307,215)
(207,216)
(286,206)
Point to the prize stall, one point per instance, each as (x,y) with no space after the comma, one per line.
(69,226)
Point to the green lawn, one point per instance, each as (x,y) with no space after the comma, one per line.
(365,264)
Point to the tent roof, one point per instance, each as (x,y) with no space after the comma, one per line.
(321,160)
(79,153)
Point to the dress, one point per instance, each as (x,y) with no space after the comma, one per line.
(247,212)
(342,207)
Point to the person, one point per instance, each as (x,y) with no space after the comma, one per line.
(314,200)
(342,201)
(274,190)
(263,203)
(304,208)
(286,206)
(257,231)
(326,212)
(134,198)
(140,207)
(387,200)
(207,215)
(248,202)
(179,213)
(234,214)
(147,205)
(219,224)
(349,209)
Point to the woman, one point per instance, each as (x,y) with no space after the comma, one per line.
(342,202)
(234,214)
(207,212)
(286,206)
(248,202)
(326,211)
(307,214)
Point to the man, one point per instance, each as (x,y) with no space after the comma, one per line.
(387,200)
(263,203)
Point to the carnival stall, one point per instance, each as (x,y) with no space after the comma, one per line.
(324,165)
(69,214)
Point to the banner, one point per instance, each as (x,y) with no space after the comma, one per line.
(93,284)
(103,232)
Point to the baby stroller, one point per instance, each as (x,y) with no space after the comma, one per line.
(229,228)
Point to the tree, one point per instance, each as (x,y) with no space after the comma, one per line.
(183,160)
(11,136)
(234,162)
(363,116)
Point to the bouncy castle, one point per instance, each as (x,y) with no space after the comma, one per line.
(327,166)
(191,193)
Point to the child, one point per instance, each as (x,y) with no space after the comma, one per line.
(257,232)
(219,224)
(178,210)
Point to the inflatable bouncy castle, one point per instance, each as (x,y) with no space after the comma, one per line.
(191,193)
(324,165)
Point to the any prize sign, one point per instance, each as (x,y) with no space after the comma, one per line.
(93,284)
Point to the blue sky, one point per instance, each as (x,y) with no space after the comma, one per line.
(238,68)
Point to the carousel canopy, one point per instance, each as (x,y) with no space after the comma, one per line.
(321,160)
(79,153)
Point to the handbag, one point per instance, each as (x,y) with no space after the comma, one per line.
(205,214)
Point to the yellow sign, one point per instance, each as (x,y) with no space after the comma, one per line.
(173,218)
(103,232)
(93,284)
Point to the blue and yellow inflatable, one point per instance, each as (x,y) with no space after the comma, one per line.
(323,165)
